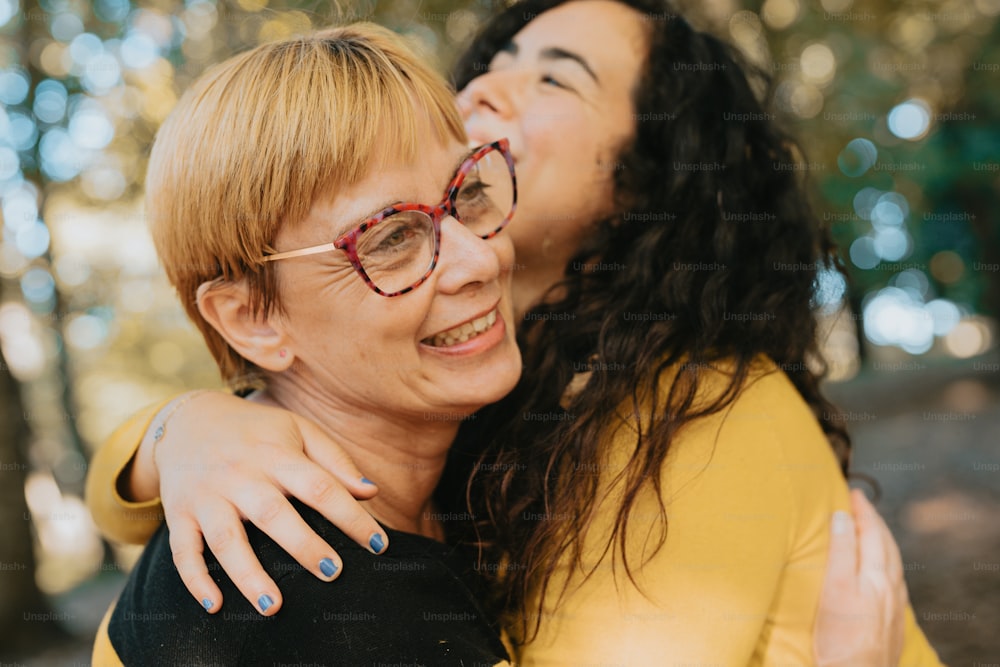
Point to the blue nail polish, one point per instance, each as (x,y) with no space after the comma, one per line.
(264,602)
(207,604)
(376,543)
(365,480)
(327,567)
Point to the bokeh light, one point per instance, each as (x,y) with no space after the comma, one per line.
(863,253)
(865,200)
(10,163)
(14,86)
(831,287)
(50,101)
(101,73)
(112,11)
(138,50)
(83,49)
(86,331)
(22,346)
(947,266)
(944,314)
(38,286)
(62,159)
(64,26)
(22,133)
(910,119)
(890,210)
(891,244)
(33,239)
(857,157)
(913,281)
(8,10)
(90,128)
(780,14)
(818,64)
(969,338)
(893,317)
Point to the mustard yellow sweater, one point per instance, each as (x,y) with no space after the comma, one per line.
(749,493)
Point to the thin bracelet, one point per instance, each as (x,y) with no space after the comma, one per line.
(162,428)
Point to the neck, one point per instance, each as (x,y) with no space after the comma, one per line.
(405,455)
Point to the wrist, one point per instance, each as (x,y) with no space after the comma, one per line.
(144,476)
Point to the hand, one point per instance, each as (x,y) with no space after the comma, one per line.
(222,459)
(863,605)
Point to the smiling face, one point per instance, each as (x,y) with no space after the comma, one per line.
(445,348)
(561,91)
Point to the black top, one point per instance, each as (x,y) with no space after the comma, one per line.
(416,604)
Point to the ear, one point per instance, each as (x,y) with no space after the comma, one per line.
(261,340)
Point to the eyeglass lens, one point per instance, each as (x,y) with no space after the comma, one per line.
(399,250)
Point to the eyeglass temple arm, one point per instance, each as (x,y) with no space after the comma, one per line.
(315,250)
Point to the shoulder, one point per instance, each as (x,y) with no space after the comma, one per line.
(417,588)
(767,417)
(419,598)
(764,450)
(155,610)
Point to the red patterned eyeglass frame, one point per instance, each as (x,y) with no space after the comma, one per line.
(348,242)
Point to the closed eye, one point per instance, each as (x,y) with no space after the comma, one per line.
(550,80)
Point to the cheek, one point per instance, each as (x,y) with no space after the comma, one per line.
(555,230)
(504,249)
(344,323)
(368,347)
(570,158)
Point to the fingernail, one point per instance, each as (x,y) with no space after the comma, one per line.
(327,567)
(841,522)
(365,480)
(376,543)
(264,602)
(207,604)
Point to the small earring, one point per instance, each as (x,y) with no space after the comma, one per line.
(282,353)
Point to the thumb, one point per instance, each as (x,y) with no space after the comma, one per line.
(842,568)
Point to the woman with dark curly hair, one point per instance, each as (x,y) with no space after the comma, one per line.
(660,482)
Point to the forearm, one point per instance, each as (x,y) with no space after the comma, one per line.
(140,479)
(122,485)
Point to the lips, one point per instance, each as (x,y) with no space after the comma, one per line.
(463,332)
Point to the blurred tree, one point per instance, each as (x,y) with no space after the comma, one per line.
(24,611)
(897,104)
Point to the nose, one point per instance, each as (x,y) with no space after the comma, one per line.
(467,261)
(490,94)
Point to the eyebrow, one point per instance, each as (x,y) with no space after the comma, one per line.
(554,53)
(378,209)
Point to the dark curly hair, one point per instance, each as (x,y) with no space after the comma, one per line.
(706,156)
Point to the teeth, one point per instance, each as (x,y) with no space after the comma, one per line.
(464,332)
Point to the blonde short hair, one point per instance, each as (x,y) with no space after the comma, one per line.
(260,137)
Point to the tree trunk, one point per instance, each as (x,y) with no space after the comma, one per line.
(26,621)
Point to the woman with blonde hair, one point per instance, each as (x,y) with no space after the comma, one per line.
(315,205)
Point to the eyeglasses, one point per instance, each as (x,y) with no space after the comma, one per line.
(396,250)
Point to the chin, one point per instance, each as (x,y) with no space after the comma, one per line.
(472,398)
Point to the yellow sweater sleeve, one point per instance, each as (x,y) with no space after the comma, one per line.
(118,519)
(103,653)
(748,495)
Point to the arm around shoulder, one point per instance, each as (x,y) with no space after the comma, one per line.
(119,519)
